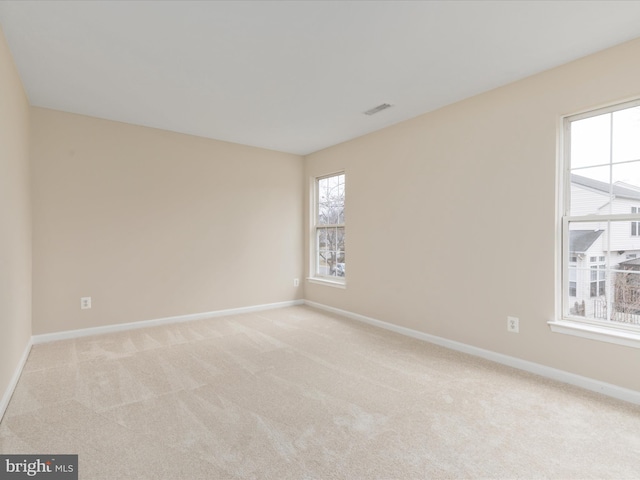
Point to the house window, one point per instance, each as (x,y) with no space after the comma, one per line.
(573,284)
(635,226)
(329,229)
(600,176)
(597,285)
(572,289)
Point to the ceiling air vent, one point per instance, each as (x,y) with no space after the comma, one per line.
(377,109)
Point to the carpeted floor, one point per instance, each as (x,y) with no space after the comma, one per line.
(297,393)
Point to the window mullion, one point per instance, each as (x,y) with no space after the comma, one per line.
(616,217)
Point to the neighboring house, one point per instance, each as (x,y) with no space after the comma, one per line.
(597,248)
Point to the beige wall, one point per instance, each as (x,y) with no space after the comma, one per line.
(451,217)
(15,220)
(153,224)
(451,220)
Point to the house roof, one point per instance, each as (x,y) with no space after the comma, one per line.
(581,240)
(632,265)
(632,262)
(618,190)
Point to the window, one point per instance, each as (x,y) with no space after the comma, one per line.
(573,284)
(598,282)
(329,225)
(635,226)
(600,177)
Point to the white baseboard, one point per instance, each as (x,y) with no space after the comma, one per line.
(608,389)
(4,403)
(604,388)
(85,332)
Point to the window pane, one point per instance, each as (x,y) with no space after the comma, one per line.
(340,238)
(323,213)
(590,141)
(333,214)
(340,265)
(626,307)
(323,195)
(322,239)
(331,263)
(331,192)
(626,179)
(586,238)
(604,281)
(573,277)
(323,265)
(590,191)
(586,283)
(330,252)
(339,213)
(331,239)
(626,135)
(333,184)
(622,238)
(589,241)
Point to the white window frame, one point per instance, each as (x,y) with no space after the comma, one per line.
(315,276)
(621,334)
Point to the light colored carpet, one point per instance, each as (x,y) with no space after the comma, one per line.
(297,393)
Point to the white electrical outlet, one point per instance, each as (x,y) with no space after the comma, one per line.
(513,324)
(85,302)
(296,282)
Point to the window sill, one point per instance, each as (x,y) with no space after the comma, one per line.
(595,332)
(328,283)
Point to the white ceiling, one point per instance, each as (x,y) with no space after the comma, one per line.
(291,76)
